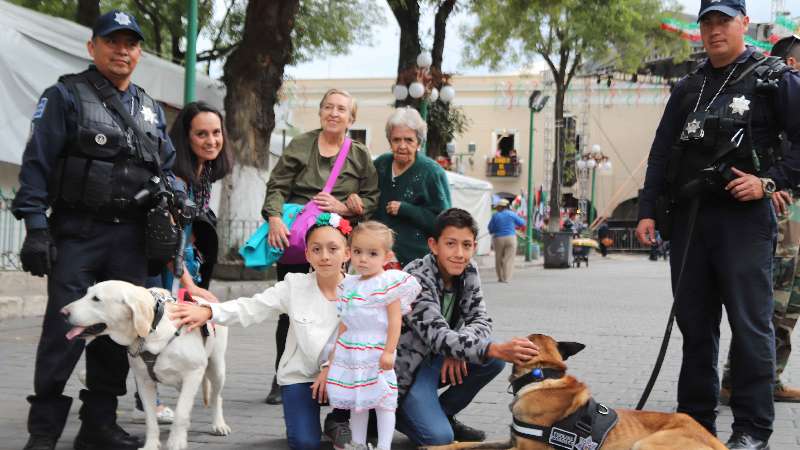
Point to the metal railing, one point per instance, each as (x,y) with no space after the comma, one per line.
(233,234)
(625,240)
(12,233)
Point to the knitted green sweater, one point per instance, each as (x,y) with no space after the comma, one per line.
(423,191)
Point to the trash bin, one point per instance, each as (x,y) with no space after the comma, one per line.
(557,250)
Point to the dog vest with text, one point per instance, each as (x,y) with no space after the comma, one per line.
(585,429)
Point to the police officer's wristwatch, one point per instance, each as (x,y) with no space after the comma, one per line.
(768,186)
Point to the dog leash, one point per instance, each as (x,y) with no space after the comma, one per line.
(693,208)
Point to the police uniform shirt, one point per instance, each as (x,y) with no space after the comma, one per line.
(54,124)
(785,173)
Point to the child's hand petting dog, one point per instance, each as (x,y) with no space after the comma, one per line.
(191,315)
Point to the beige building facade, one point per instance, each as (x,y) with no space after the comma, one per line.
(621,117)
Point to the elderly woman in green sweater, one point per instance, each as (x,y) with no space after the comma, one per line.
(300,175)
(414,188)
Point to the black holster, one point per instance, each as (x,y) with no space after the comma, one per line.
(162,238)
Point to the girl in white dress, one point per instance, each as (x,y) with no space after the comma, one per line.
(361,371)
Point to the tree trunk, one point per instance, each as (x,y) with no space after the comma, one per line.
(558,158)
(253,76)
(88,12)
(439,32)
(435,147)
(407,14)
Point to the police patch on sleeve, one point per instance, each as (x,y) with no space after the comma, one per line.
(40,108)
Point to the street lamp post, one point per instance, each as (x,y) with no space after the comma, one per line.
(535,103)
(423,86)
(191,53)
(591,162)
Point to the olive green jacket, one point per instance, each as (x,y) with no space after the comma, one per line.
(301,173)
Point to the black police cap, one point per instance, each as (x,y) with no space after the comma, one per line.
(114,21)
(728,7)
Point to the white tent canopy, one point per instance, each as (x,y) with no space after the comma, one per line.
(35,49)
(474,196)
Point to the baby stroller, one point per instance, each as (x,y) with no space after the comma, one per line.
(581,249)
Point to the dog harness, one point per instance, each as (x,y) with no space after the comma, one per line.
(158,313)
(585,429)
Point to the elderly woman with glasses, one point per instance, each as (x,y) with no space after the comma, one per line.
(414,188)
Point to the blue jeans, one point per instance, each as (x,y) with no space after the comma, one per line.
(422,414)
(301,415)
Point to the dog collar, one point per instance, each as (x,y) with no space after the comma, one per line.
(535,376)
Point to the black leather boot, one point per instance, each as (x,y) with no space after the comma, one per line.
(105,437)
(41,442)
(274,397)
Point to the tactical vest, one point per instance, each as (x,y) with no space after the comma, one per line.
(102,166)
(740,127)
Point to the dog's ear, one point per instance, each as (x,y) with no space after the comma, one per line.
(141,304)
(567,349)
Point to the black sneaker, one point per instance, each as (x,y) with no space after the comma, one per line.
(105,437)
(465,433)
(41,442)
(740,440)
(338,433)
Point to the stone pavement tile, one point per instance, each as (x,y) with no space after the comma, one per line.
(618,308)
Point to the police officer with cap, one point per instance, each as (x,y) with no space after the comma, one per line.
(713,166)
(86,164)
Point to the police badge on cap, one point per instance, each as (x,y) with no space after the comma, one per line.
(728,7)
(114,21)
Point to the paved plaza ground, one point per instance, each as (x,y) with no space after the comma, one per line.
(618,307)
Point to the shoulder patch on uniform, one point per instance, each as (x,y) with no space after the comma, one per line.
(40,108)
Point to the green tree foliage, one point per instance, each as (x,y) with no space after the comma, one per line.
(567,33)
(322,27)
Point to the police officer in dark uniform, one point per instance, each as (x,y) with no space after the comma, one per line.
(713,165)
(85,164)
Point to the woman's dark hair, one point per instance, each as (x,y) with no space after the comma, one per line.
(457,218)
(185,165)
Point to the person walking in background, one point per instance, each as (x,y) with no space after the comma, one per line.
(299,177)
(414,188)
(502,227)
(604,237)
(360,369)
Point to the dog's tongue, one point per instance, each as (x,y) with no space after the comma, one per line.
(71,334)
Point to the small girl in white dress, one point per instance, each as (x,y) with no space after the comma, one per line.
(361,373)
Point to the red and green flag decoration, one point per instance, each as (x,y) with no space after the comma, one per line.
(690,31)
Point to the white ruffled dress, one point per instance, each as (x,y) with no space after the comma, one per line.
(355,379)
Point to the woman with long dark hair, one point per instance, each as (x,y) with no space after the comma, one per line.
(201,158)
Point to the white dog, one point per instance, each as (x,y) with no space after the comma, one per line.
(131,316)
